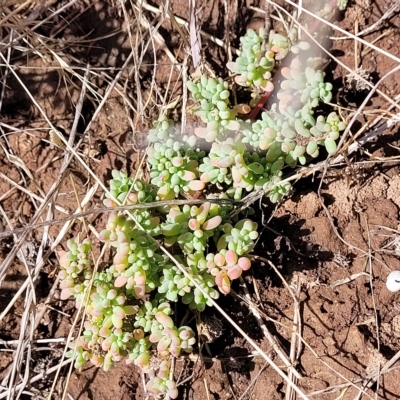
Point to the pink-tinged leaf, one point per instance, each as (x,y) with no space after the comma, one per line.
(200,132)
(203,212)
(177,161)
(155,337)
(105,332)
(173,393)
(196,185)
(268,86)
(120,267)
(132,198)
(236,175)
(142,360)
(172,334)
(140,278)
(117,321)
(97,360)
(210,265)
(120,258)
(225,162)
(165,193)
(219,260)
(138,334)
(121,237)
(109,203)
(185,334)
(240,80)
(65,294)
(175,351)
(244,263)
(234,272)
(119,312)
(140,291)
(120,281)
(194,224)
(231,258)
(164,320)
(211,136)
(285,71)
(223,282)
(242,108)
(106,345)
(188,176)
(233,125)
(232,66)
(212,223)
(163,344)
(214,271)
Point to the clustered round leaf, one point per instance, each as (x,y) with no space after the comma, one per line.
(174,164)
(290,131)
(128,313)
(212,95)
(229,162)
(255,62)
(76,270)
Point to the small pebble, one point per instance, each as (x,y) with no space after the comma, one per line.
(393,281)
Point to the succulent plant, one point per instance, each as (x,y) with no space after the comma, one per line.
(226,266)
(256,61)
(213,109)
(128,314)
(76,270)
(174,165)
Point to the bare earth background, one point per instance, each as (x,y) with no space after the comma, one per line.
(338,257)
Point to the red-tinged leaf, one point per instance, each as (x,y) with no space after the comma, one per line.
(138,334)
(234,272)
(203,212)
(120,281)
(165,193)
(225,162)
(105,332)
(223,282)
(163,344)
(231,258)
(219,260)
(244,263)
(155,337)
(119,312)
(200,132)
(106,345)
(117,321)
(65,294)
(142,360)
(188,176)
(194,224)
(140,278)
(196,185)
(212,223)
(164,320)
(140,291)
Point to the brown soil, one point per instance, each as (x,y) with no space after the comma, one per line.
(327,240)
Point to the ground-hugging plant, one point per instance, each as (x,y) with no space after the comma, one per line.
(127,305)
